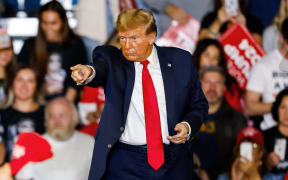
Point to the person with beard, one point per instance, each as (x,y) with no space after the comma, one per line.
(72,150)
(216,139)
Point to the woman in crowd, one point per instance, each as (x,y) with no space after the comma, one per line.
(244,168)
(209,52)
(7,63)
(217,21)
(55,49)
(25,114)
(276,138)
(271,35)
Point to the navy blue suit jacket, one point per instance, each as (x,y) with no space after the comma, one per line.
(185,100)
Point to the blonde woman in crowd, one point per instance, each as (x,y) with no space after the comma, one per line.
(271,35)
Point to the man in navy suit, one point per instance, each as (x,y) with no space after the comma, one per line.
(154,104)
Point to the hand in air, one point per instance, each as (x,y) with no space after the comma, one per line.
(80,73)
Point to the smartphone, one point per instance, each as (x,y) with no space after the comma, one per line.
(231,7)
(246,150)
(280,147)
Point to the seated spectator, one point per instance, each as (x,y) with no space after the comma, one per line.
(216,22)
(243,167)
(72,150)
(271,35)
(7,64)
(216,138)
(53,51)
(276,138)
(25,114)
(265,81)
(209,52)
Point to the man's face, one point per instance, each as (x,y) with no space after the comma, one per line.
(136,44)
(59,121)
(213,87)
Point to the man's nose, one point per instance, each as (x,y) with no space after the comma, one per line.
(128,44)
(212,85)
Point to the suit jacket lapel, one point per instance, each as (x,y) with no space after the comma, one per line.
(166,66)
(130,79)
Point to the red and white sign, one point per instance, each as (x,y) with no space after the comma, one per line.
(182,36)
(242,52)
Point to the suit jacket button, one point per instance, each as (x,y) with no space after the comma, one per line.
(121,128)
(109,146)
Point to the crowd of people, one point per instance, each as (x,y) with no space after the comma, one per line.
(246,132)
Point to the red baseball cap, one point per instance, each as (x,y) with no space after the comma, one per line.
(29,147)
(250,133)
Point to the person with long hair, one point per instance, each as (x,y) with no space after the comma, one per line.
(209,52)
(218,21)
(53,51)
(25,114)
(7,65)
(271,35)
(276,138)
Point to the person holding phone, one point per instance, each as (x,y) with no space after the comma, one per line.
(227,12)
(276,138)
(214,22)
(249,152)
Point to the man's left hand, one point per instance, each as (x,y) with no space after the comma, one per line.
(182,130)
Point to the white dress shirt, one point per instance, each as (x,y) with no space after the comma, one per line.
(135,132)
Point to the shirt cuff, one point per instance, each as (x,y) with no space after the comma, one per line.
(92,76)
(189,132)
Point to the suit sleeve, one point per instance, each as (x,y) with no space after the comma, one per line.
(198,106)
(101,67)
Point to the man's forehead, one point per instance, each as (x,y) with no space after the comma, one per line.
(132,32)
(213,76)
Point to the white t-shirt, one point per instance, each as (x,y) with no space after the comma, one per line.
(267,79)
(71,160)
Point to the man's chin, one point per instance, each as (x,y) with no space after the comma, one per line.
(61,135)
(131,58)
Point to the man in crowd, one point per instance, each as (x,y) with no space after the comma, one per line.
(266,80)
(217,136)
(153,104)
(72,150)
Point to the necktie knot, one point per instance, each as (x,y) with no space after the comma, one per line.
(145,63)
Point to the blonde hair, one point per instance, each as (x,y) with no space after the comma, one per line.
(134,18)
(282,15)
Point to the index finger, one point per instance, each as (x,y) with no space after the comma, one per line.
(74,67)
(179,135)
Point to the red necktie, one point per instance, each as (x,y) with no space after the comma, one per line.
(155,152)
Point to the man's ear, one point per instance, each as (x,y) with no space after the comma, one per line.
(151,38)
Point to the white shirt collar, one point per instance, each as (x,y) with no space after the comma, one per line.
(153,58)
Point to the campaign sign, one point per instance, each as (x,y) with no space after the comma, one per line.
(183,36)
(242,52)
